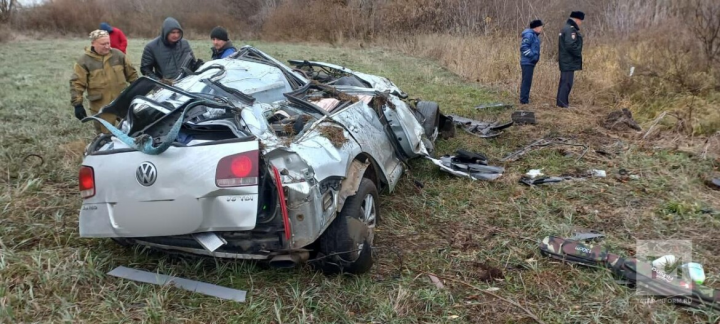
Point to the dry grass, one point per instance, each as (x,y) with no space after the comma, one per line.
(336,135)
(661,81)
(452,227)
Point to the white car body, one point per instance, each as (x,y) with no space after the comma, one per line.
(178,199)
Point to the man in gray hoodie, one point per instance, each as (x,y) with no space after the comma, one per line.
(164,56)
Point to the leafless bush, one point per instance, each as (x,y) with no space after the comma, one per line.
(7,7)
(139,18)
(5,33)
(704,21)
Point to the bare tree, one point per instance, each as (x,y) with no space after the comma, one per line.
(705,25)
(6,10)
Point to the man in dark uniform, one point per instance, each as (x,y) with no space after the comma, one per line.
(570,47)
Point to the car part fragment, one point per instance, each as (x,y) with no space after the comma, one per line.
(632,271)
(189,285)
(540,143)
(494,105)
(523,117)
(479,128)
(468,164)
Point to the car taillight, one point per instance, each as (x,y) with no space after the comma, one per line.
(87,182)
(238,170)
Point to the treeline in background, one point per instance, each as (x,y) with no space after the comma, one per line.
(673,45)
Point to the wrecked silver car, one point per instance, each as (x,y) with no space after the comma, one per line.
(248,158)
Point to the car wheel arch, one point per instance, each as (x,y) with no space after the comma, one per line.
(362,166)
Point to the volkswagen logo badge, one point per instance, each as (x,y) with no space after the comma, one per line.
(146,174)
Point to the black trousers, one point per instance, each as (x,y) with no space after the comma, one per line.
(566,83)
(527,76)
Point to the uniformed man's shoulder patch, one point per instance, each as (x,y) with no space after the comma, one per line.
(572,35)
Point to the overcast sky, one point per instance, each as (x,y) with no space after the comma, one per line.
(30,2)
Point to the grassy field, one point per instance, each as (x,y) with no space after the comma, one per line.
(452,227)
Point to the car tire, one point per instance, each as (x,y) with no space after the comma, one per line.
(347,243)
(431,111)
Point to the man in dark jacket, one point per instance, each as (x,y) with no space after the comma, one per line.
(117,37)
(222,46)
(570,47)
(529,56)
(165,56)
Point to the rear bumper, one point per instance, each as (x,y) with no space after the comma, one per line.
(204,252)
(166,218)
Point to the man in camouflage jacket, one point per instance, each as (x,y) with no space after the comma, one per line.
(103,72)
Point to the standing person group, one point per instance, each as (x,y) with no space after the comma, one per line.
(570,46)
(104,71)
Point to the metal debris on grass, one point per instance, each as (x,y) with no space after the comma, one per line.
(468,164)
(479,128)
(713,183)
(531,179)
(543,143)
(190,285)
(522,117)
(494,105)
(641,274)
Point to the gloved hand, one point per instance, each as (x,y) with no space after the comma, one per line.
(198,64)
(80,112)
(167,81)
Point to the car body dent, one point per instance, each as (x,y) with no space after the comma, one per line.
(313,169)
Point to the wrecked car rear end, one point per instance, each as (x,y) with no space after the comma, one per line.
(247,158)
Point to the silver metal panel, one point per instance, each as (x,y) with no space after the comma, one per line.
(187,284)
(367,129)
(209,240)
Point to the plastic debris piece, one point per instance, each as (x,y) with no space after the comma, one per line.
(695,272)
(534,173)
(664,261)
(437,282)
(598,173)
(522,117)
(713,183)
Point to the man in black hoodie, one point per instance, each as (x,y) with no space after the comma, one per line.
(570,46)
(165,56)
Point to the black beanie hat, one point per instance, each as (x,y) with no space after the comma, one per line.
(577,14)
(536,23)
(219,33)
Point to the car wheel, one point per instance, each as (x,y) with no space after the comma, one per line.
(347,243)
(431,111)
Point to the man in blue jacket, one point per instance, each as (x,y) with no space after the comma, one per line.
(529,56)
(222,46)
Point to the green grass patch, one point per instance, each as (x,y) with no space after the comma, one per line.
(453,227)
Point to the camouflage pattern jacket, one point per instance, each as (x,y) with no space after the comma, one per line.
(103,77)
